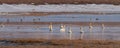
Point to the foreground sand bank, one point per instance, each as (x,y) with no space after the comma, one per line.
(53,43)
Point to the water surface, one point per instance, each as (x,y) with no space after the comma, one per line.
(42,30)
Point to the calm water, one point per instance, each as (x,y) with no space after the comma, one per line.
(64,18)
(42,31)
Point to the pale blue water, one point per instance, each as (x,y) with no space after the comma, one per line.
(42,31)
(65,18)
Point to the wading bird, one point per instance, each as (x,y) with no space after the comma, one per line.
(103,26)
(81,30)
(81,33)
(70,30)
(62,28)
(90,26)
(50,27)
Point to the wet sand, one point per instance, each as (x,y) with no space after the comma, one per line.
(52,13)
(72,23)
(53,43)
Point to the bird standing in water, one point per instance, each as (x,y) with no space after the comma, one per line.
(90,26)
(81,30)
(62,28)
(70,30)
(50,27)
(103,26)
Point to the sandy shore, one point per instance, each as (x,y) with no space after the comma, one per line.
(60,1)
(51,13)
(72,23)
(53,43)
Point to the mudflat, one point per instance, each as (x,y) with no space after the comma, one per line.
(53,43)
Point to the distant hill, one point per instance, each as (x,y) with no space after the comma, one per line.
(60,1)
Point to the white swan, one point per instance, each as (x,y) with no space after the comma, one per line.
(81,30)
(50,27)
(90,26)
(70,30)
(103,26)
(62,28)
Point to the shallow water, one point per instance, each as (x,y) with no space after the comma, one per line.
(64,18)
(42,31)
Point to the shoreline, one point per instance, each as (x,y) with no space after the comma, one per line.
(72,23)
(51,13)
(43,43)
